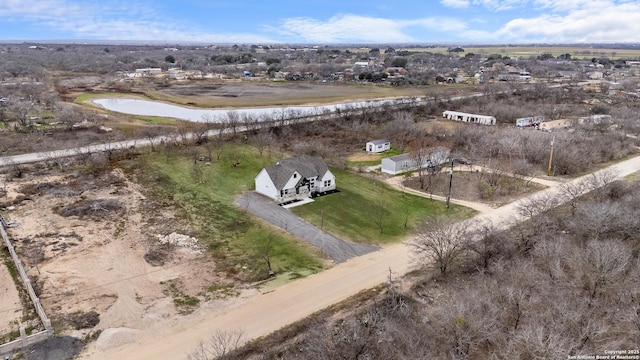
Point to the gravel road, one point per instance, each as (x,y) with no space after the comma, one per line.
(336,249)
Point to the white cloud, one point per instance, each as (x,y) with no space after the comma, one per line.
(456,4)
(113,20)
(586,23)
(354,28)
(493,5)
(344,28)
(500,5)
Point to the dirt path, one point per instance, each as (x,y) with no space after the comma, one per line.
(396,182)
(262,314)
(10,306)
(337,249)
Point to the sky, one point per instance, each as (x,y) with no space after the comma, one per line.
(323,22)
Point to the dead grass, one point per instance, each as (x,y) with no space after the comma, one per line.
(473,186)
(275,94)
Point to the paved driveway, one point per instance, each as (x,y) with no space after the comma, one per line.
(337,249)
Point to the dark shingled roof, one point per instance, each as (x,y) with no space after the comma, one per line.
(307,166)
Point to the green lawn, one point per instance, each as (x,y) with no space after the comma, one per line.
(377,159)
(364,205)
(204,195)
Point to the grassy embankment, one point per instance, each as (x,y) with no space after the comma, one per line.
(364,207)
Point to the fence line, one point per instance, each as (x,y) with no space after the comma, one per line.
(24,341)
(31,339)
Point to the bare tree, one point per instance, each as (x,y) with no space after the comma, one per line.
(600,182)
(439,240)
(219,345)
(400,128)
(69,115)
(484,240)
(214,146)
(602,264)
(152,134)
(420,157)
(574,190)
(232,121)
(263,139)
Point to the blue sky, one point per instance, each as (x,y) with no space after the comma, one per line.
(324,22)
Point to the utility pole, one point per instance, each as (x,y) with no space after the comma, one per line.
(450,184)
(551,157)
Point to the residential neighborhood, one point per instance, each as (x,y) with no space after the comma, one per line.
(381,192)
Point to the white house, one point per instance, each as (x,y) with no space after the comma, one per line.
(295,178)
(377,146)
(399,164)
(532,121)
(470,118)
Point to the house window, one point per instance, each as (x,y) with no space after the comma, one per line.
(327,183)
(295,175)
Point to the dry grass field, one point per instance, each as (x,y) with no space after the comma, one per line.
(267,93)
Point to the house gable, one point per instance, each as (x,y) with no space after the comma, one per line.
(265,185)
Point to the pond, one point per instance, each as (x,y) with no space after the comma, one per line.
(155,108)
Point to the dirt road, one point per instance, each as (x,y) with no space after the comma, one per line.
(265,313)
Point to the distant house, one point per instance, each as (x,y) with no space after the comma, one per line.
(469,118)
(378,146)
(595,119)
(295,178)
(398,164)
(555,124)
(532,121)
(149,71)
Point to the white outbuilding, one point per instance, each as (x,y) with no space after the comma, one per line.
(378,146)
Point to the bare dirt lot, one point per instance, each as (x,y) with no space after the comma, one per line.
(92,249)
(494,190)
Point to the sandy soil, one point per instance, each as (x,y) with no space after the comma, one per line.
(10,306)
(95,260)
